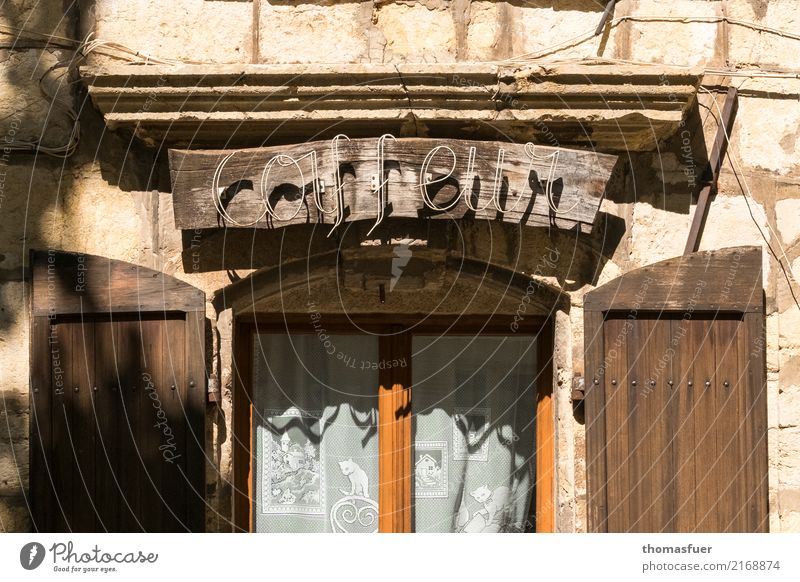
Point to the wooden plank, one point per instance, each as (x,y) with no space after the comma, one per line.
(720,280)
(703,379)
(729,465)
(153,507)
(82,428)
(171,426)
(755,416)
(195,415)
(615,340)
(649,452)
(44,359)
(579,181)
(131,474)
(638,423)
(394,437)
(76,283)
(242,431)
(660,399)
(684,445)
(63,456)
(545,433)
(595,410)
(107,411)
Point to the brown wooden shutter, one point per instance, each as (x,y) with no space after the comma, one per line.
(117,398)
(676,414)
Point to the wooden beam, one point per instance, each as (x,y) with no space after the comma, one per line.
(77,283)
(712,171)
(720,280)
(242,429)
(595,423)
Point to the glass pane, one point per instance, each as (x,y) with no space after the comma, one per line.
(315,465)
(474,404)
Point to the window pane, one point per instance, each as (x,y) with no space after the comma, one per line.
(474,404)
(315,465)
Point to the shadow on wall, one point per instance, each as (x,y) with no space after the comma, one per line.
(671,176)
(580,257)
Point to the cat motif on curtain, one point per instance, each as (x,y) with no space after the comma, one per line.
(359,482)
(494,515)
(356,512)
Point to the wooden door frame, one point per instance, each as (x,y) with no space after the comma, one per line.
(395,478)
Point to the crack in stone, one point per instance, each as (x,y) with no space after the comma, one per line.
(408,99)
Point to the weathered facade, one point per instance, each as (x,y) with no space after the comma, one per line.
(87,129)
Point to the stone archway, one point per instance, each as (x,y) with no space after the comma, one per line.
(370,281)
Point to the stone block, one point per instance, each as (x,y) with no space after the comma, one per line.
(772,333)
(657,232)
(789,400)
(13,464)
(748,47)
(789,522)
(788,457)
(671,42)
(45,17)
(313,32)
(13,346)
(789,328)
(730,224)
(14,417)
(484,29)
(417,33)
(538,26)
(787,216)
(773,407)
(183,30)
(26,114)
(14,516)
(766,134)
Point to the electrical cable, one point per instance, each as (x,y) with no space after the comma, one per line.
(120,51)
(747,194)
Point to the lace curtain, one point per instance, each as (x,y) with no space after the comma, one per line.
(315,433)
(474,403)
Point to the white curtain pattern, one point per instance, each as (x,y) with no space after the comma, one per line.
(474,404)
(315,434)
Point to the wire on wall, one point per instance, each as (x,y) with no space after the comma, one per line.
(748,196)
(122,52)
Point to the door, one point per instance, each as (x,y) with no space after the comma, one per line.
(366,428)
(117,398)
(676,408)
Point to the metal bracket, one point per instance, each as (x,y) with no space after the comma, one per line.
(578,389)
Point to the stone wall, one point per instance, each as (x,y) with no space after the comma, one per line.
(112,197)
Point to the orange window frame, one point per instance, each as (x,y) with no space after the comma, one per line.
(394,407)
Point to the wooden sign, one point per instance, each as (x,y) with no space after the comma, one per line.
(344,180)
